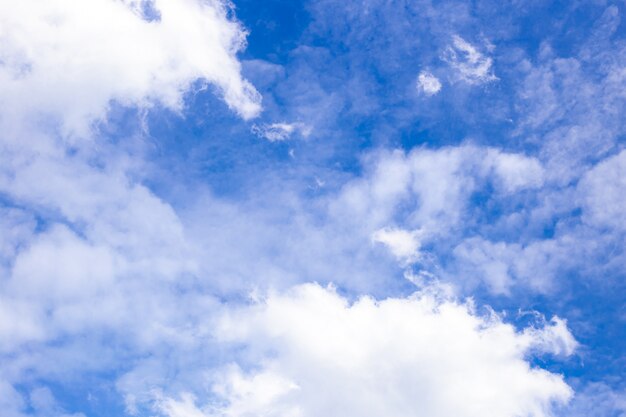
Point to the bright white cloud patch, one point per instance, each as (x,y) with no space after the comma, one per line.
(66,59)
(316,354)
(470,65)
(428,83)
(403,244)
(431,188)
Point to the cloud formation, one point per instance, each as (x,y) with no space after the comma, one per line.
(428,83)
(314,353)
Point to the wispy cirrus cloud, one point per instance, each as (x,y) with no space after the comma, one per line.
(470,64)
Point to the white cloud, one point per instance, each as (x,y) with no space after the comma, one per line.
(430,189)
(516,172)
(403,244)
(470,64)
(429,185)
(502,265)
(64,61)
(428,83)
(554,337)
(313,353)
(277,132)
(603,193)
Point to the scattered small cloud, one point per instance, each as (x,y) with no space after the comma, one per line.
(278,132)
(403,244)
(428,84)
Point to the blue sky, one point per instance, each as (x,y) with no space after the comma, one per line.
(305,208)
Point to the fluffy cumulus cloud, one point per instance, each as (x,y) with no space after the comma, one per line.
(313,353)
(66,60)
